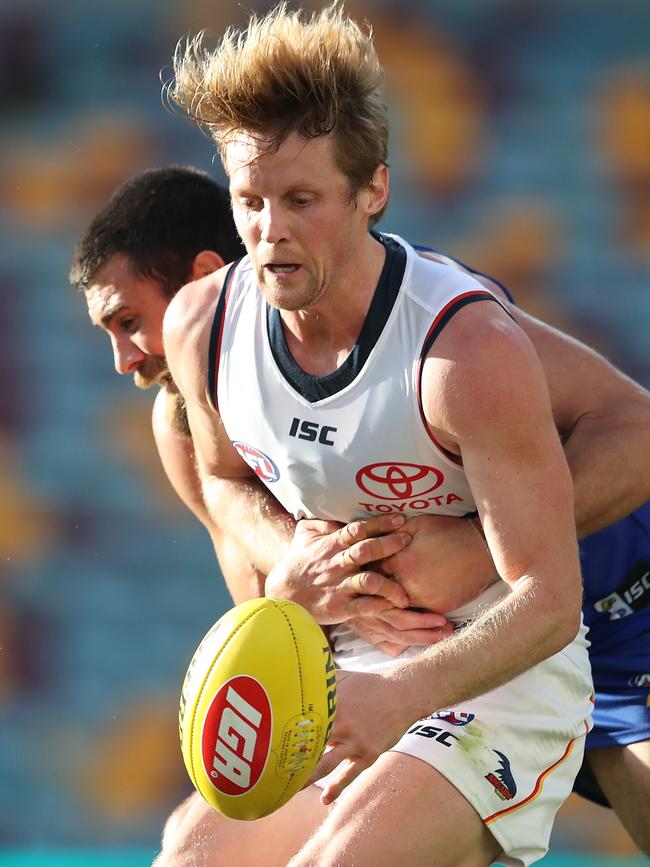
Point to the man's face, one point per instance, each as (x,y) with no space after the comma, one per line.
(293,211)
(130,308)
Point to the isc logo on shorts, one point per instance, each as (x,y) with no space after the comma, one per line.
(237,735)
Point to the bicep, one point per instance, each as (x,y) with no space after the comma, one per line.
(492,401)
(523,493)
(176,454)
(215,454)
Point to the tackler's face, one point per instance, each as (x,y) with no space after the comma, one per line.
(130,308)
(295,214)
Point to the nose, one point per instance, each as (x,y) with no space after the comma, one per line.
(127,357)
(273,223)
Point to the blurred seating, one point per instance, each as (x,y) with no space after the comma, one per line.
(520,143)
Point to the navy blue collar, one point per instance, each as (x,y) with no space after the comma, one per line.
(315,388)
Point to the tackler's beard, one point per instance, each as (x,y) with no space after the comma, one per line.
(177,415)
(152,371)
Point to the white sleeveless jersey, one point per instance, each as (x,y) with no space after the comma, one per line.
(353,443)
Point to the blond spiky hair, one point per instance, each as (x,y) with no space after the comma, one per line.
(287,73)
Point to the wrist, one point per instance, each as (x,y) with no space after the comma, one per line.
(409,691)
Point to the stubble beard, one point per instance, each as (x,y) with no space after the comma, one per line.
(177,414)
(153,371)
(287,299)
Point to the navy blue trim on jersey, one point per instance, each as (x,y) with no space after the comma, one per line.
(452,309)
(437,325)
(469,269)
(216,330)
(315,388)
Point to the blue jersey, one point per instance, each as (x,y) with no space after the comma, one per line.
(616,575)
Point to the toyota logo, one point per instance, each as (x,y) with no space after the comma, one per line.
(398,481)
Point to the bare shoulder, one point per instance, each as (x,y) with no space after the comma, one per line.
(191,309)
(186,329)
(482,370)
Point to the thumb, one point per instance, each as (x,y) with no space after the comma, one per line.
(330,760)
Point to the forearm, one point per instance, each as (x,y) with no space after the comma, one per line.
(604,419)
(509,638)
(610,465)
(242,579)
(245,509)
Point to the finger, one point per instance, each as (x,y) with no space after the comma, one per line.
(317,526)
(356,531)
(366,606)
(376,584)
(369,550)
(349,770)
(417,637)
(410,619)
(391,649)
(378,639)
(375,630)
(328,762)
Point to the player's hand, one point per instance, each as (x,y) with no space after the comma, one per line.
(328,568)
(371,716)
(446,565)
(395,630)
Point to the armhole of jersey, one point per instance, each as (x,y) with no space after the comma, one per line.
(216,333)
(473,271)
(443,317)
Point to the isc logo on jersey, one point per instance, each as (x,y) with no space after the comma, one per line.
(236,735)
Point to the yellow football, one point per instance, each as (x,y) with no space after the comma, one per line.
(257,707)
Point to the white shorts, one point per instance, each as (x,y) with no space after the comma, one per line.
(515,751)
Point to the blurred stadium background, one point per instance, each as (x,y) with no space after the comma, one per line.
(521,143)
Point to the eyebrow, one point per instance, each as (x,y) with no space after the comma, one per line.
(111,313)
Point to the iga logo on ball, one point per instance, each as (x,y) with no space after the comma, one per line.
(237,735)
(257,707)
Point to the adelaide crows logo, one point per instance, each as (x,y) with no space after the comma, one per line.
(502,779)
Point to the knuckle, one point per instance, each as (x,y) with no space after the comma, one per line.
(361,582)
(367,605)
(356,552)
(355,530)
(375,548)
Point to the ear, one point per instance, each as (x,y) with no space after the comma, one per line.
(377,190)
(205,263)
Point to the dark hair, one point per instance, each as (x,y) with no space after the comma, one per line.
(160,219)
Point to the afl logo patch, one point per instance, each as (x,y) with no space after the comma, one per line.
(237,735)
(392,481)
(454,717)
(261,464)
